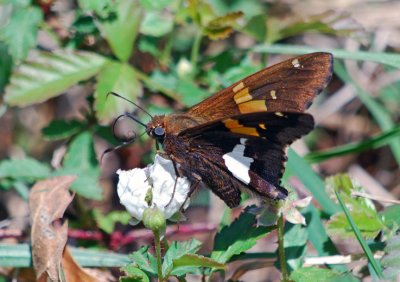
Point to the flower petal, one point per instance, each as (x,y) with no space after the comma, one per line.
(132,189)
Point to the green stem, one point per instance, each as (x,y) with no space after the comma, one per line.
(281,249)
(157,246)
(196,48)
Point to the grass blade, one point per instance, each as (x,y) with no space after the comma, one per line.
(370,256)
(375,142)
(390,59)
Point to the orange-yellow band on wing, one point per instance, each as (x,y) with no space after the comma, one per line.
(253,106)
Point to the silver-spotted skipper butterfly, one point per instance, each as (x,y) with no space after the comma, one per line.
(236,139)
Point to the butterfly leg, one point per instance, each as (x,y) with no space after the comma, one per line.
(193,187)
(177,174)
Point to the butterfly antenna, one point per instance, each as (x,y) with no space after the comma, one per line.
(123,144)
(123,98)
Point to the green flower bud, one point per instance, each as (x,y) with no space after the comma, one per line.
(154,220)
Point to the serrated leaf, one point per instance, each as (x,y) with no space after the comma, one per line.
(49,74)
(145,261)
(122,31)
(61,129)
(21,30)
(177,250)
(24,169)
(238,237)
(156,24)
(80,160)
(320,274)
(118,78)
(134,274)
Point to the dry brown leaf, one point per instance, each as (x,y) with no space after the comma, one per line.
(72,270)
(48,201)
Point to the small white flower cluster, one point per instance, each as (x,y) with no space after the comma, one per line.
(153,186)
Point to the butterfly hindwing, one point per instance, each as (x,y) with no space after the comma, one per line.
(255,157)
(288,86)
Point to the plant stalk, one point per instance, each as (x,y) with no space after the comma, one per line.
(196,49)
(157,246)
(281,250)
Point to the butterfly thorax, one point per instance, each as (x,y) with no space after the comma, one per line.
(173,124)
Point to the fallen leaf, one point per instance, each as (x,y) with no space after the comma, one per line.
(74,273)
(48,201)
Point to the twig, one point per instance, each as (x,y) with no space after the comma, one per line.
(374,198)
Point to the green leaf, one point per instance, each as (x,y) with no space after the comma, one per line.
(375,266)
(300,168)
(318,236)
(320,274)
(49,74)
(156,24)
(390,216)
(390,59)
(121,79)
(22,189)
(134,274)
(175,251)
(198,261)
(256,27)
(61,129)
(21,30)
(6,66)
(121,32)
(361,210)
(250,7)
(145,261)
(221,27)
(101,8)
(108,221)
(96,258)
(80,160)
(372,143)
(238,237)
(391,260)
(24,169)
(191,94)
(295,244)
(155,5)
(20,256)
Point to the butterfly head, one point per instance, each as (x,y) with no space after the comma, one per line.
(156,128)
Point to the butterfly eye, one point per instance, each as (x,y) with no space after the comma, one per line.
(159,131)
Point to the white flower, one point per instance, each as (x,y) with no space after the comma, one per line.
(289,208)
(153,186)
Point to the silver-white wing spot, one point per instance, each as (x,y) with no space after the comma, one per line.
(296,63)
(237,163)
